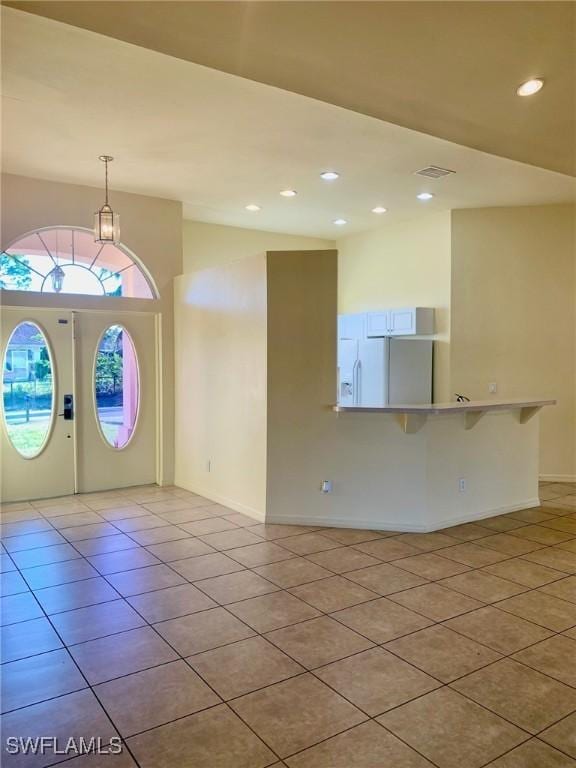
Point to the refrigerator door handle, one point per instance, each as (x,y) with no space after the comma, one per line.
(354,392)
(357,381)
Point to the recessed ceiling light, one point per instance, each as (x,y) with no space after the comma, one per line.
(288,193)
(530,87)
(425,196)
(379,209)
(340,222)
(329,175)
(253,207)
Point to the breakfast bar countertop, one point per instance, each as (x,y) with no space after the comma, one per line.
(446,408)
(413,417)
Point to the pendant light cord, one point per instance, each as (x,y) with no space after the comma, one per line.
(106,178)
(106,159)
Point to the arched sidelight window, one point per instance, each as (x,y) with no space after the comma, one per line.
(116,386)
(28,397)
(67,260)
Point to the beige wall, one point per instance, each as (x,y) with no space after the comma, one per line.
(151,229)
(302,317)
(503,281)
(256,374)
(220,321)
(402,264)
(513,316)
(385,479)
(207,245)
(382,478)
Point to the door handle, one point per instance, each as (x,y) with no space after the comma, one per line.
(68,412)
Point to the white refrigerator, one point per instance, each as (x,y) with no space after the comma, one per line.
(384,371)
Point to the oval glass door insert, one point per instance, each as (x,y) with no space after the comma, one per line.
(116,386)
(28,390)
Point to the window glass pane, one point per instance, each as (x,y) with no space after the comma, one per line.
(86,251)
(57,245)
(83,266)
(77,279)
(117,386)
(16,275)
(28,389)
(113,260)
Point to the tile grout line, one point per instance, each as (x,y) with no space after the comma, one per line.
(325,614)
(88,685)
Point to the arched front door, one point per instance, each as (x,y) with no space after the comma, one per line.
(79,401)
(79,398)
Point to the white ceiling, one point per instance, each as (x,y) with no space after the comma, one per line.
(414,63)
(217,141)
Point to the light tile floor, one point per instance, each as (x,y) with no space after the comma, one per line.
(207,640)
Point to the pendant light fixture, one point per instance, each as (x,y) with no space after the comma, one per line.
(57,275)
(57,278)
(106,222)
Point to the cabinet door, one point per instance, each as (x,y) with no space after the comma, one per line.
(351,326)
(402,322)
(377,324)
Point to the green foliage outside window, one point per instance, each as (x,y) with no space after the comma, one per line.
(42,367)
(14,273)
(109,363)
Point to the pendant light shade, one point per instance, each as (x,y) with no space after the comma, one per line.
(106,226)
(106,222)
(57,277)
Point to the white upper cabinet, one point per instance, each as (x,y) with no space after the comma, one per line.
(411,321)
(351,326)
(377,324)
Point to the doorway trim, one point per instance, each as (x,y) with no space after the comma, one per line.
(115,307)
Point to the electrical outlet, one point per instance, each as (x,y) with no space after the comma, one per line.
(492,387)
(326,486)
(462,485)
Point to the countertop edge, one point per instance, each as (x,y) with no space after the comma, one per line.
(438,409)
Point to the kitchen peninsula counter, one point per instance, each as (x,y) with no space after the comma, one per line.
(420,467)
(413,417)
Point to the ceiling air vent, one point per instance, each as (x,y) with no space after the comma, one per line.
(433,172)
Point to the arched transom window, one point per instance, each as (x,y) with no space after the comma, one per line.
(67,260)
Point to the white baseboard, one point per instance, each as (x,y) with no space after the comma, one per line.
(557,478)
(354,522)
(226,502)
(494,512)
(388,525)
